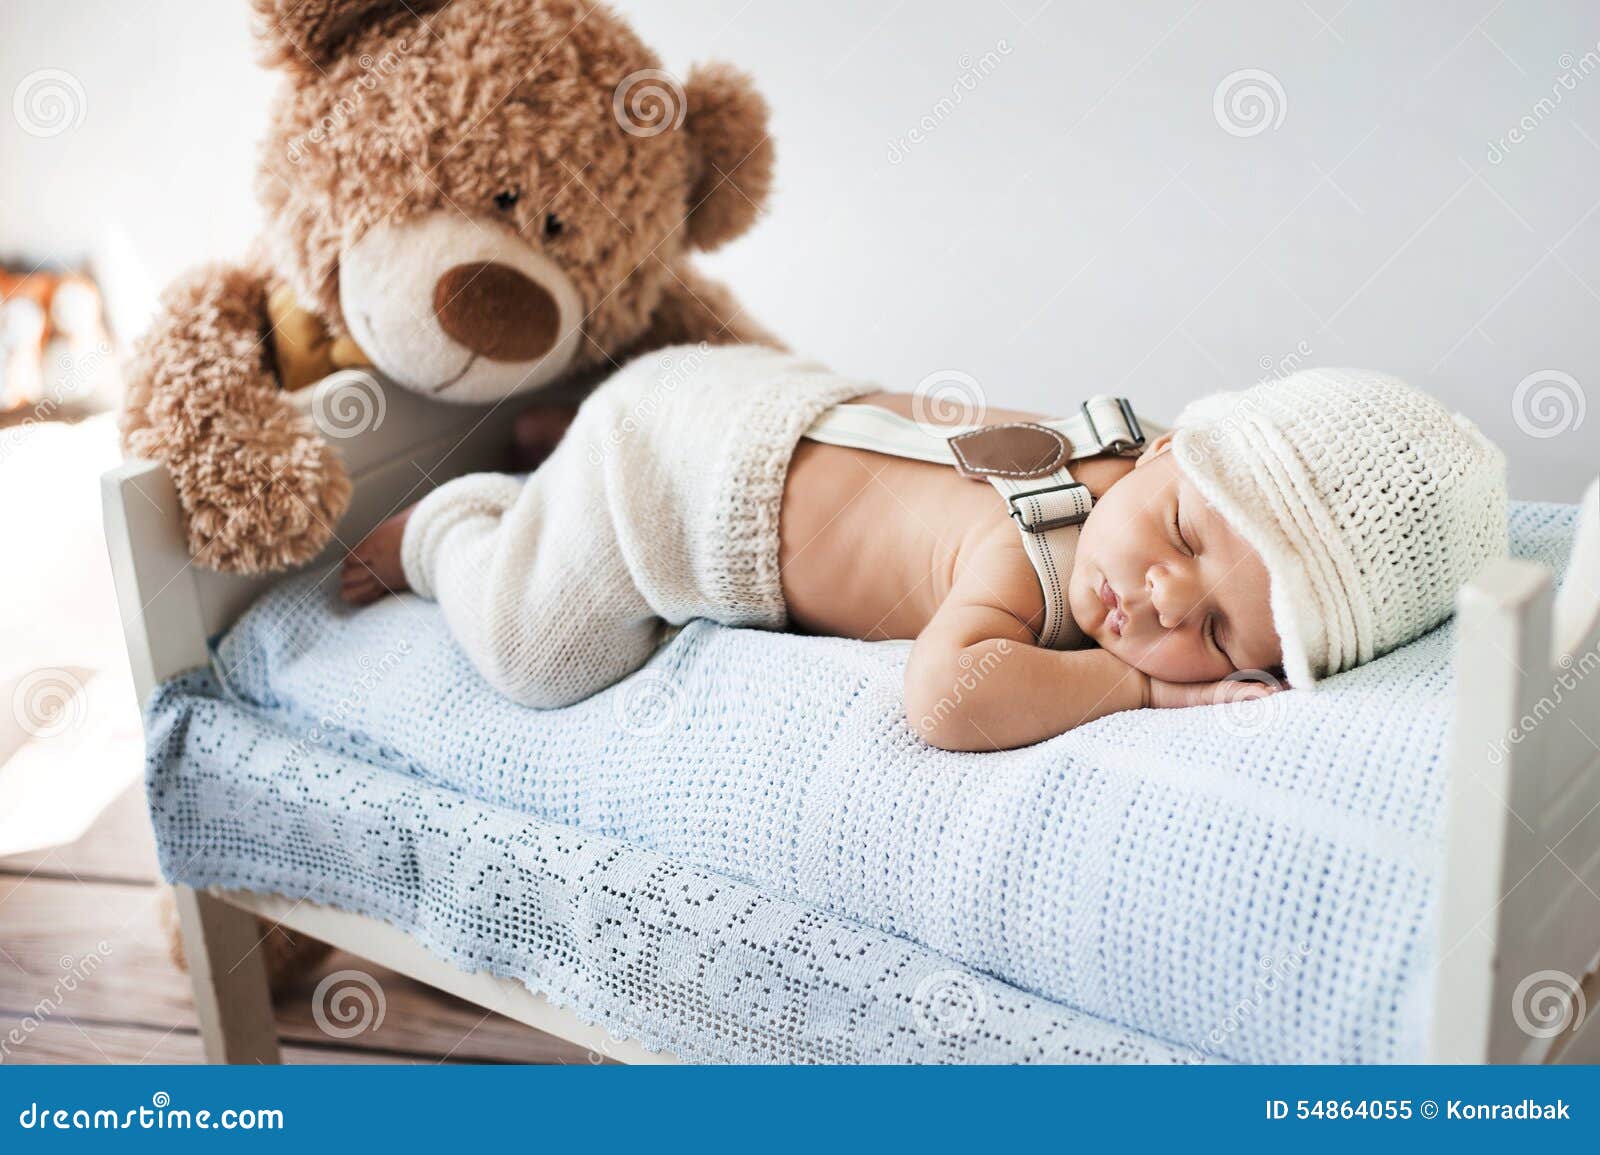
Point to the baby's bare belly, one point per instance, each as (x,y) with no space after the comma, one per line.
(870,545)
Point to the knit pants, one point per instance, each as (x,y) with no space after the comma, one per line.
(660,505)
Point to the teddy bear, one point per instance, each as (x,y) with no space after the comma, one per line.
(484,200)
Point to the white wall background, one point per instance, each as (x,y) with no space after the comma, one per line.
(1074,217)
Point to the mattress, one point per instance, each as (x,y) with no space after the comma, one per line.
(743,853)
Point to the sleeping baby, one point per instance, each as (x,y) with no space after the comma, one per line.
(1050,572)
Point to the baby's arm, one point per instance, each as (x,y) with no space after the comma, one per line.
(977,681)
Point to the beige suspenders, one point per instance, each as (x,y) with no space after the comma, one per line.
(1026,462)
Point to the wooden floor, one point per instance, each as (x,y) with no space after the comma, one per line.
(86,977)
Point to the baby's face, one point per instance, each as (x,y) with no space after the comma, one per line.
(1162,582)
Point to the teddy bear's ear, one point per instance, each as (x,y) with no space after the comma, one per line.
(732,153)
(306,35)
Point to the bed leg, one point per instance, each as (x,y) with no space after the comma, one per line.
(229,976)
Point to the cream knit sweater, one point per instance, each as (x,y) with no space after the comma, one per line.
(659,506)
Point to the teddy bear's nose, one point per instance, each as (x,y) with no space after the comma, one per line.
(496,311)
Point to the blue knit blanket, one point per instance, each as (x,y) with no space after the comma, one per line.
(1251,883)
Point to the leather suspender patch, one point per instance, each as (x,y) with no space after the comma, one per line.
(1019,450)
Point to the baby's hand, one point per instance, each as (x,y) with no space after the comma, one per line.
(1239,688)
(373,568)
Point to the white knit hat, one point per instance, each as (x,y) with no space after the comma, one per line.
(1370,503)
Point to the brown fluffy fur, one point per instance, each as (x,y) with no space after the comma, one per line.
(259,486)
(392,110)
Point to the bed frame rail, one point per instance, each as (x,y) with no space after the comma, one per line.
(1519,927)
(396,446)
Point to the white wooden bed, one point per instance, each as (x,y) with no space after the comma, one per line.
(1520,918)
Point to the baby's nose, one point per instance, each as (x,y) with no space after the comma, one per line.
(1170,596)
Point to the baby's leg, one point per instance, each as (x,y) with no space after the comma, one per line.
(531,578)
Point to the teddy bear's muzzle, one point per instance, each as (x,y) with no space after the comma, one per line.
(496,312)
(459,309)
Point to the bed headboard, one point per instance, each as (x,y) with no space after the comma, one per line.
(1519,926)
(396,445)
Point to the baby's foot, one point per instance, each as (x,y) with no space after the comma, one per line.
(373,567)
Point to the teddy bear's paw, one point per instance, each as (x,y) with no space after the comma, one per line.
(254,510)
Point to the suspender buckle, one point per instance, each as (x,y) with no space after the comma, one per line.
(1119,445)
(1051,507)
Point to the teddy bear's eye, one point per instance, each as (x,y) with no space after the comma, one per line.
(553,225)
(506,201)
